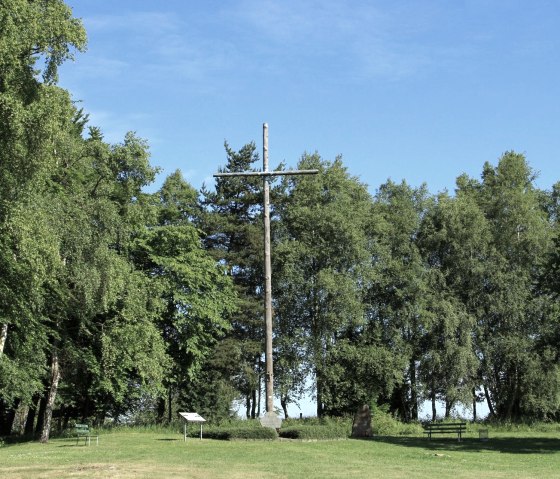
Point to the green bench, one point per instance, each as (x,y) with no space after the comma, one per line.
(445,428)
(83,430)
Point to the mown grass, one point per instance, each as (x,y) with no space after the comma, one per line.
(158,454)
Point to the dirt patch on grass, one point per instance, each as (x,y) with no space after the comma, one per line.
(125,471)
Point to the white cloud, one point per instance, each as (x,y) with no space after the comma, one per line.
(159,44)
(151,23)
(115,126)
(360,39)
(346,40)
(367,40)
(100,67)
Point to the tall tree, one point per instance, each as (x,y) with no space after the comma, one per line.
(33,113)
(398,301)
(319,269)
(95,201)
(232,226)
(197,295)
(454,240)
(509,308)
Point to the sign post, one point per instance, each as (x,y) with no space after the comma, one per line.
(191,417)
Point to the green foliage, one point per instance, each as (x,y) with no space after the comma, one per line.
(114,301)
(195,294)
(240,430)
(526,427)
(211,393)
(231,221)
(317,429)
(36,121)
(320,264)
(31,30)
(383,423)
(358,373)
(399,298)
(515,365)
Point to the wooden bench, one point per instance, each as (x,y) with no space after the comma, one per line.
(83,430)
(446,428)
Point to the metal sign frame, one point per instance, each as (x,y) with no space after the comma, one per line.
(191,417)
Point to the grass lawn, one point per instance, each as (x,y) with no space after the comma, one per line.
(165,455)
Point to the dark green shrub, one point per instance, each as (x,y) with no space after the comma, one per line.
(313,433)
(310,429)
(383,423)
(237,433)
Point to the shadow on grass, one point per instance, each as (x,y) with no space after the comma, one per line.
(167,439)
(509,445)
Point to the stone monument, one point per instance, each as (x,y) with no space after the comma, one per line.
(361,426)
(270,419)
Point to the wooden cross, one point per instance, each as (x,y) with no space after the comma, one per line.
(270,420)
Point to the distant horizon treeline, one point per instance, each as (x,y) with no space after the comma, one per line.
(122,305)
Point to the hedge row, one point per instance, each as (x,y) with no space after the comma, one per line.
(313,432)
(233,433)
(314,428)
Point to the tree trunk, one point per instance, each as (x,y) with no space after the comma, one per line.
(160,410)
(41,415)
(433,398)
(254,404)
(51,397)
(66,420)
(284,404)
(489,402)
(259,395)
(3,420)
(3,337)
(248,406)
(7,416)
(513,398)
(319,404)
(31,414)
(169,405)
(413,408)
(319,385)
(474,404)
(448,408)
(12,415)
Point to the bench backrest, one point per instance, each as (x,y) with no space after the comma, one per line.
(444,426)
(81,429)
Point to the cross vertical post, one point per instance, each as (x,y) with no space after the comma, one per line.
(270,419)
(267,280)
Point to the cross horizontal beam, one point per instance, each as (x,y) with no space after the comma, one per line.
(267,173)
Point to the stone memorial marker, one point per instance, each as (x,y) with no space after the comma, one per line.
(361,426)
(270,419)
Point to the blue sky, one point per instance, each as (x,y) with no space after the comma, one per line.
(420,90)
